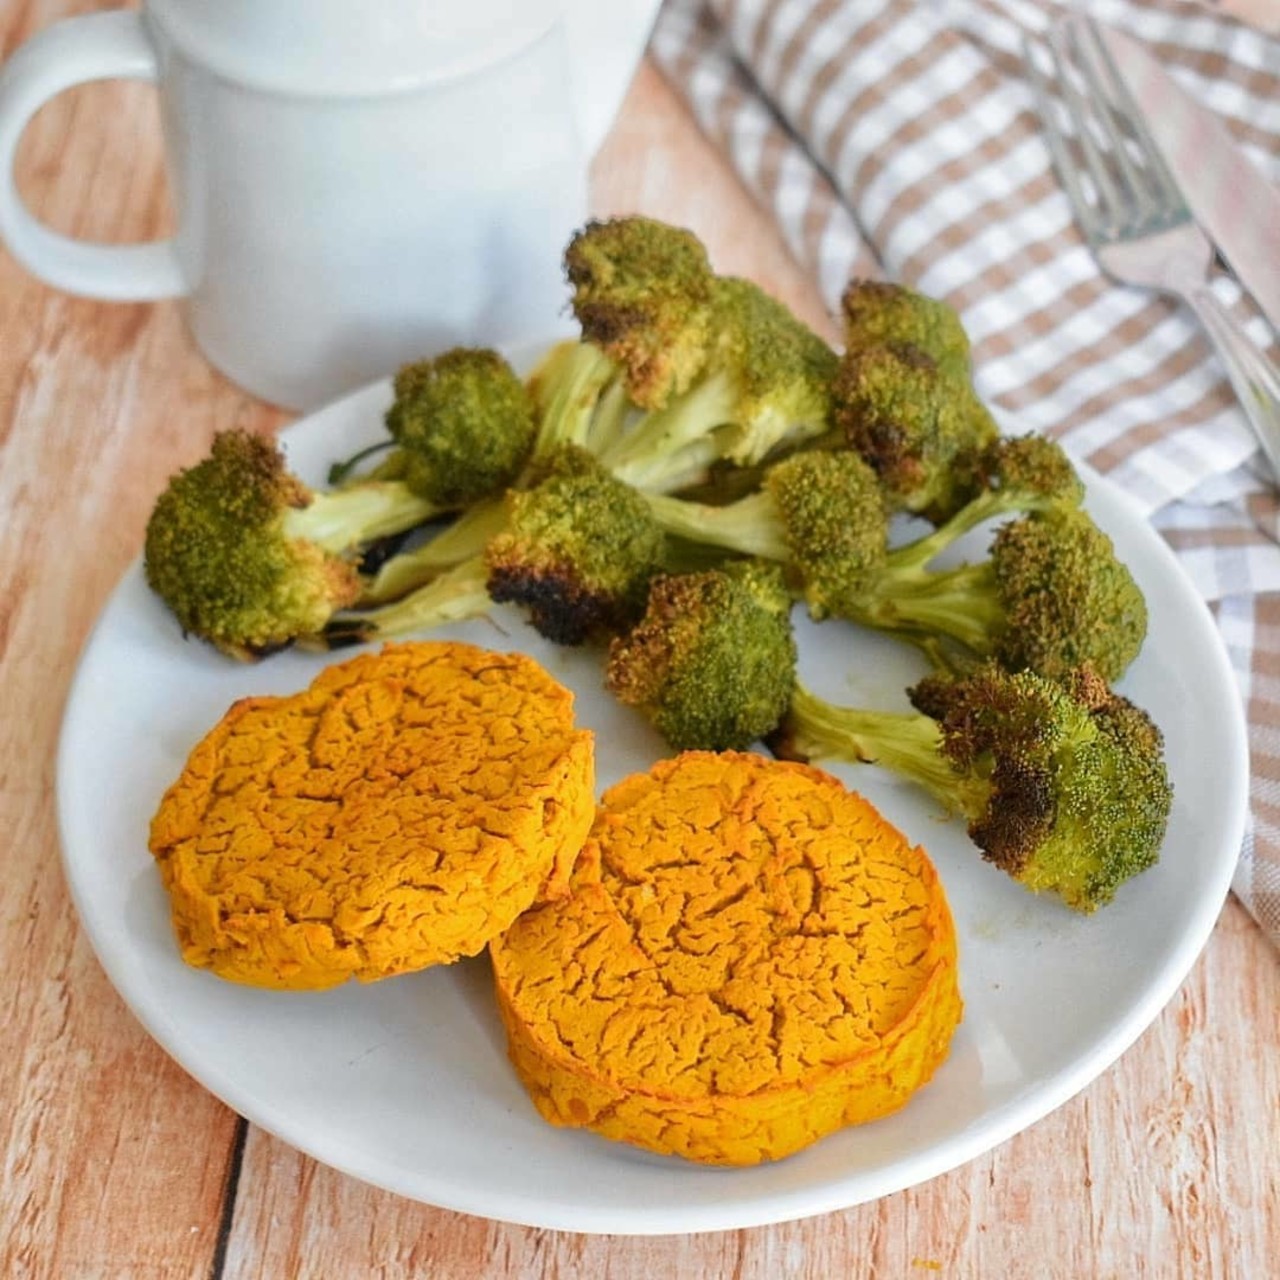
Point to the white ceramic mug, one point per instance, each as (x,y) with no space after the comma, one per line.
(355,184)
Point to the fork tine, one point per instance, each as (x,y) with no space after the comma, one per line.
(1100,68)
(1132,187)
(1111,201)
(1059,149)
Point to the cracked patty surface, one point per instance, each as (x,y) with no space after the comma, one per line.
(749,958)
(398,813)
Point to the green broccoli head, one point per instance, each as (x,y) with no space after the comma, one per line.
(835,525)
(722,370)
(922,432)
(1067,598)
(781,372)
(1052,595)
(712,661)
(1030,471)
(642,292)
(820,514)
(876,312)
(579,549)
(1074,792)
(228,550)
(464,425)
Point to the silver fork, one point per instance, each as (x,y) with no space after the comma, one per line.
(1130,209)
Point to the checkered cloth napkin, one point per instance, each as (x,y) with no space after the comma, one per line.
(899,138)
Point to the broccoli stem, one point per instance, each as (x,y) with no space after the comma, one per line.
(455,596)
(962,603)
(646,455)
(342,519)
(990,504)
(906,743)
(1021,475)
(567,387)
(466,537)
(751,525)
(667,473)
(610,420)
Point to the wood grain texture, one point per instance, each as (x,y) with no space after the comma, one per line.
(116,1164)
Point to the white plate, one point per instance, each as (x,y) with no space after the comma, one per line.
(405,1083)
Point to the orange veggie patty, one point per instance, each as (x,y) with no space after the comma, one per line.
(750,958)
(399,813)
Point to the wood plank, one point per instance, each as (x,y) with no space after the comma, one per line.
(114,1158)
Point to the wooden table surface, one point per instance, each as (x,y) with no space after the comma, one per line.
(117,1164)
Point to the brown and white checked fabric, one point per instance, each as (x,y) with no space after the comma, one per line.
(900,138)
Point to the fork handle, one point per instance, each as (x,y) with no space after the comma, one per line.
(1254,378)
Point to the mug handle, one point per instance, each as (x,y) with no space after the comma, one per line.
(101,46)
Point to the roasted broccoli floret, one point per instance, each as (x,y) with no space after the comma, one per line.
(1051,595)
(876,312)
(766,384)
(1063,783)
(577,395)
(578,550)
(821,514)
(712,662)
(249,558)
(904,399)
(463,423)
(643,294)
(723,370)
(460,427)
(573,546)
(580,401)
(922,431)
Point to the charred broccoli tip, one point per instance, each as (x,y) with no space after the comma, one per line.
(921,430)
(642,293)
(1063,783)
(876,312)
(712,661)
(249,558)
(578,551)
